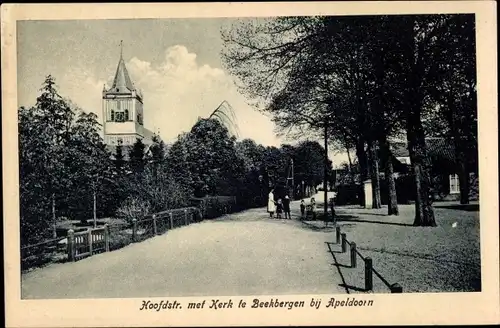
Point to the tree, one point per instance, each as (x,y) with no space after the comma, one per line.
(63,161)
(157,154)
(212,160)
(119,158)
(91,161)
(452,111)
(315,74)
(48,124)
(137,157)
(309,165)
(255,182)
(177,163)
(417,67)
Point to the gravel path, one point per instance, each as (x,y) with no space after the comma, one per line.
(241,254)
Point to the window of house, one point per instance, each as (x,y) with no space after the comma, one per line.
(126,115)
(454,184)
(112,115)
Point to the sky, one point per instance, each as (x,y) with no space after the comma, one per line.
(175,62)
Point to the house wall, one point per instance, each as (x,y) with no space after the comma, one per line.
(441,190)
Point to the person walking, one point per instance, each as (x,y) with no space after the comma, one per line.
(286,207)
(271,206)
(302,209)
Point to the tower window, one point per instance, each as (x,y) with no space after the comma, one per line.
(119,117)
(112,115)
(126,115)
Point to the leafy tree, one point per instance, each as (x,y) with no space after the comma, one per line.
(92,162)
(45,133)
(362,78)
(119,159)
(452,113)
(177,163)
(157,154)
(309,163)
(137,157)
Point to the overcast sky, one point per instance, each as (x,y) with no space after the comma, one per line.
(176,63)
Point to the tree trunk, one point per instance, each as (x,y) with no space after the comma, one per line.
(463,180)
(392,203)
(413,99)
(94,212)
(424,213)
(361,155)
(375,175)
(349,159)
(54,223)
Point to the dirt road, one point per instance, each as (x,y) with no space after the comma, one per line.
(241,254)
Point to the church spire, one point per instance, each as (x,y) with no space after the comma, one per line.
(122,81)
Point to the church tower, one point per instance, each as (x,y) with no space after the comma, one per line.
(122,106)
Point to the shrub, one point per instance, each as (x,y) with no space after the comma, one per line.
(133,208)
(212,207)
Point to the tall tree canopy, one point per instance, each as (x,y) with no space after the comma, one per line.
(365,78)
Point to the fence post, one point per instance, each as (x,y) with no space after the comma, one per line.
(89,234)
(368,274)
(155,229)
(71,245)
(396,288)
(185,217)
(171,220)
(134,230)
(353,254)
(344,243)
(106,237)
(337,231)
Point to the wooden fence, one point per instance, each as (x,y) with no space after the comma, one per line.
(82,244)
(369,269)
(87,243)
(159,223)
(42,252)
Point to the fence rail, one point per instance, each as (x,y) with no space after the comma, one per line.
(41,252)
(341,238)
(81,244)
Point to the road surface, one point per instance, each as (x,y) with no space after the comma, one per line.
(243,253)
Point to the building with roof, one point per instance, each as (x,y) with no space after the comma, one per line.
(123,112)
(444,166)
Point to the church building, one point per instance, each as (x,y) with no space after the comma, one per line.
(123,111)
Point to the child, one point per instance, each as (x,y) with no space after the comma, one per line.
(313,208)
(302,209)
(286,207)
(279,209)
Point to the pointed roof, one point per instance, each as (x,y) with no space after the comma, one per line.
(122,82)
